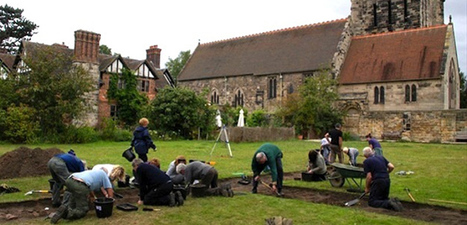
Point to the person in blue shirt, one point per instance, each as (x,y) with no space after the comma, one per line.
(81,185)
(60,167)
(377,169)
(142,140)
(352,153)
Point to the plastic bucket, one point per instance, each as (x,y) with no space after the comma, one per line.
(129,155)
(104,207)
(198,190)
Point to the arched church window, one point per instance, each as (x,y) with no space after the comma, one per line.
(376,93)
(381,95)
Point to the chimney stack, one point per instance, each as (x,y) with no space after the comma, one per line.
(153,54)
(86,46)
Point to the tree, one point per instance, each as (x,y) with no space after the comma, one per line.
(54,87)
(103,49)
(180,112)
(176,65)
(14,28)
(463,90)
(312,107)
(129,100)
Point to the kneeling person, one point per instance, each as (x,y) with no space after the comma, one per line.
(155,187)
(81,185)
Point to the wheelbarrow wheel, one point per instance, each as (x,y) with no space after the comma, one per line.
(336,179)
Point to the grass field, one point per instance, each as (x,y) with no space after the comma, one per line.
(439,173)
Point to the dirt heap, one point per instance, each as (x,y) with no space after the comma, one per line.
(26,162)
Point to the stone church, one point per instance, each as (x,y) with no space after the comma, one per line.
(395,61)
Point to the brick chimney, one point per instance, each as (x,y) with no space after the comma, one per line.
(153,54)
(86,46)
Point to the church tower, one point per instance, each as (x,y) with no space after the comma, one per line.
(380,16)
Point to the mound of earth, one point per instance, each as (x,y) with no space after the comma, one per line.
(26,162)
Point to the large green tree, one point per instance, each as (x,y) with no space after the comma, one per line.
(129,100)
(181,112)
(313,106)
(14,28)
(104,49)
(54,87)
(176,65)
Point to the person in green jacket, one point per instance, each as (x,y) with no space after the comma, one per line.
(268,155)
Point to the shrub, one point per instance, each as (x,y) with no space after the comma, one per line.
(19,125)
(257,118)
(74,134)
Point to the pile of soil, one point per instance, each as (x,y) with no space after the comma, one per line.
(26,162)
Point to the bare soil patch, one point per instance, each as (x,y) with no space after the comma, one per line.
(417,211)
(26,162)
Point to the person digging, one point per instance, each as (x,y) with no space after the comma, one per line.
(268,155)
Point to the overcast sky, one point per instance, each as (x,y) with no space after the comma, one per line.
(130,27)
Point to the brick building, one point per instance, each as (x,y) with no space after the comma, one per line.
(86,54)
(393,57)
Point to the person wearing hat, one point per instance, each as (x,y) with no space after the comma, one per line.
(142,140)
(60,167)
(374,145)
(268,155)
(352,153)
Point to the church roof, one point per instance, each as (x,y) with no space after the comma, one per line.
(297,49)
(8,60)
(404,55)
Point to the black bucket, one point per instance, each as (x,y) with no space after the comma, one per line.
(104,207)
(51,183)
(198,190)
(129,155)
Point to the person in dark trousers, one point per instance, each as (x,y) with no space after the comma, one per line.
(82,185)
(61,166)
(374,145)
(206,175)
(155,187)
(336,143)
(316,166)
(268,155)
(142,140)
(377,169)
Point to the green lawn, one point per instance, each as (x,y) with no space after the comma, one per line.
(440,173)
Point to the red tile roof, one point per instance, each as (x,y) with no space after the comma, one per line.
(296,49)
(405,55)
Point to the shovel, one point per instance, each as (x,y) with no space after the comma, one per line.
(269,186)
(37,191)
(355,201)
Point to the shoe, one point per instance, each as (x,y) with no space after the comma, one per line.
(254,191)
(61,213)
(179,198)
(393,204)
(172,199)
(398,202)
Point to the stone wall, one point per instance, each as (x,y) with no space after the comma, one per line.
(256,134)
(417,126)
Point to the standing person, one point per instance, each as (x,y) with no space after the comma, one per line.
(374,144)
(325,148)
(177,178)
(268,155)
(316,166)
(352,153)
(377,169)
(60,167)
(141,140)
(207,175)
(155,187)
(81,185)
(336,143)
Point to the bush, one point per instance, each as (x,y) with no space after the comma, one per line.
(347,136)
(122,135)
(258,118)
(19,125)
(74,134)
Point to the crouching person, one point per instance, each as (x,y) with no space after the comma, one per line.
(82,185)
(155,187)
(207,175)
